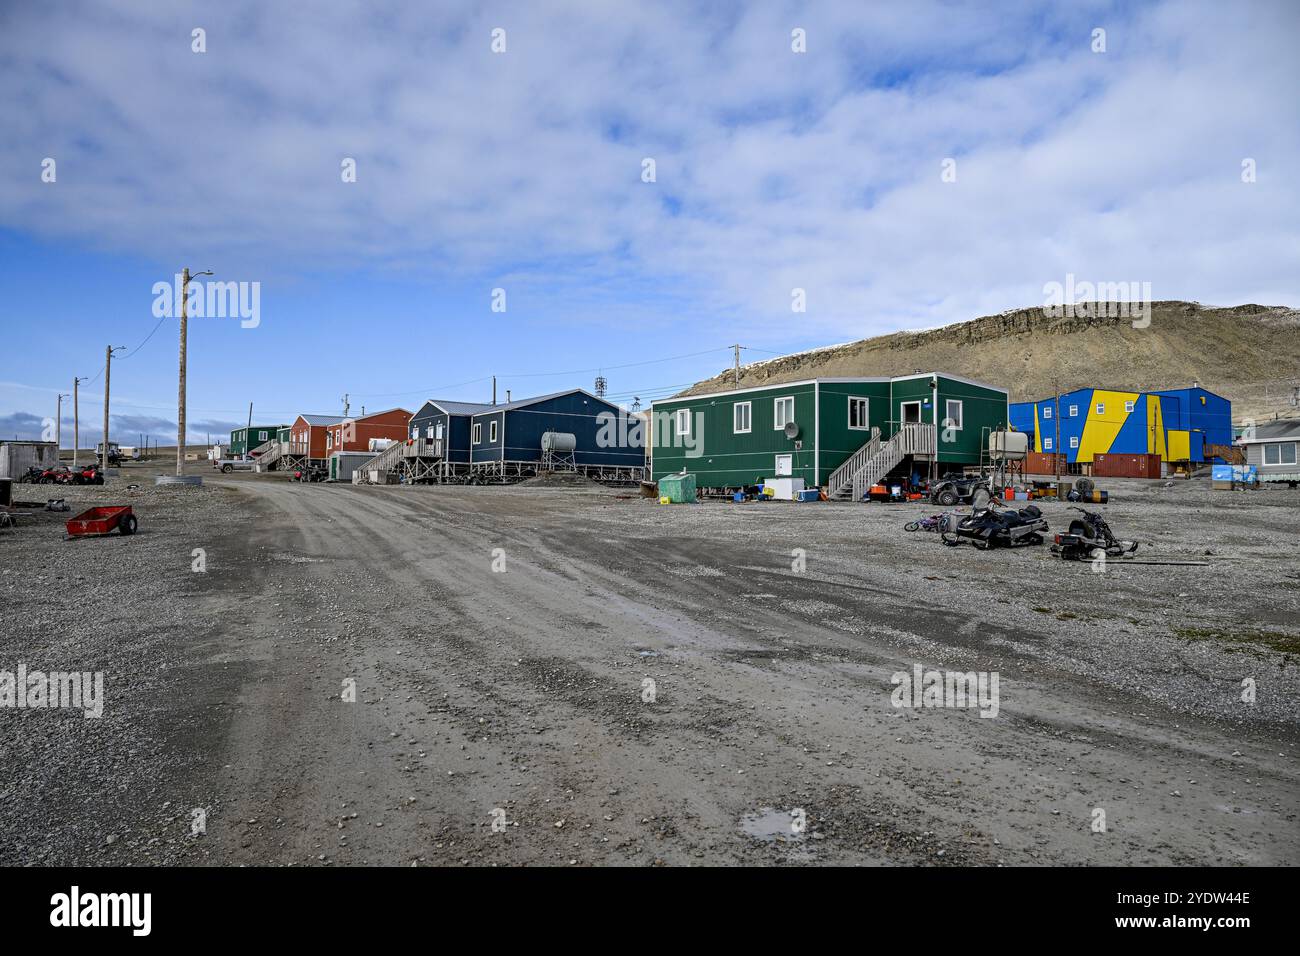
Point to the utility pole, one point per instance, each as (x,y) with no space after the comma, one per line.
(494,389)
(180,394)
(108,372)
(346,405)
(58,427)
(737,349)
(76,421)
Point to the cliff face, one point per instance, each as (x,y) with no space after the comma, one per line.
(1249,354)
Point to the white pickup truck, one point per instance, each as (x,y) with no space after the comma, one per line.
(227,465)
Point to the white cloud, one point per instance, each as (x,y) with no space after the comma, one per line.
(818,170)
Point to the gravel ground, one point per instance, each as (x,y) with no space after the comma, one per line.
(520,696)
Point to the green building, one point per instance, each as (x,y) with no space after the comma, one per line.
(840,433)
(244,440)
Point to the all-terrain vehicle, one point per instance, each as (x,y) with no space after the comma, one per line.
(311,473)
(992,528)
(1087,536)
(956,487)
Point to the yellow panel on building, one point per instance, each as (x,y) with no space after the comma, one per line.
(1106,416)
(1180,445)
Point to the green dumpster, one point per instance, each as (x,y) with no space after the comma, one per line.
(678,489)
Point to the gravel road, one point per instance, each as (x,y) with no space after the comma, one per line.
(641,684)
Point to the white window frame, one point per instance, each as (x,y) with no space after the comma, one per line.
(261,434)
(749,418)
(948,403)
(1047,411)
(1074,411)
(682,422)
(776,466)
(428,430)
(329,440)
(1047,444)
(492,432)
(1101,408)
(1074,441)
(1277,447)
(902,411)
(1129,406)
(477,430)
(777,405)
(865,420)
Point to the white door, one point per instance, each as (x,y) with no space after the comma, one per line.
(784,466)
(911,412)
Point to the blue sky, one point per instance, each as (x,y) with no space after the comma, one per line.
(522,171)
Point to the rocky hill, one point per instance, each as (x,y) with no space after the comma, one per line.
(1247,353)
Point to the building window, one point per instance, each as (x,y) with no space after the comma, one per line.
(953,414)
(782,411)
(329,439)
(1280,453)
(1074,411)
(1074,442)
(1128,406)
(1047,444)
(261,436)
(478,433)
(428,432)
(415,431)
(742,418)
(858,419)
(784,466)
(1047,411)
(492,431)
(1101,408)
(683,421)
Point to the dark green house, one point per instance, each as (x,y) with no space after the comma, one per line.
(244,440)
(843,434)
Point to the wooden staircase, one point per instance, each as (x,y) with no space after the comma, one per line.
(386,460)
(875,459)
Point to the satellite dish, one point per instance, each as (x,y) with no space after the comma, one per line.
(792,430)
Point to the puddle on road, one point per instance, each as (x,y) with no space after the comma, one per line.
(770,825)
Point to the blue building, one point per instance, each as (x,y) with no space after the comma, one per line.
(448,424)
(507,440)
(1176,424)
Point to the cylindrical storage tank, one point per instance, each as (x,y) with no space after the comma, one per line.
(379,444)
(562,442)
(1009,446)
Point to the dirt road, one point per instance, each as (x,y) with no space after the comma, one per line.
(507,717)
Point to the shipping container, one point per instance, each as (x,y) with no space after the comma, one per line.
(1126,466)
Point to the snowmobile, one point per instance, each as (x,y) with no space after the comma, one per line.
(991,528)
(1087,535)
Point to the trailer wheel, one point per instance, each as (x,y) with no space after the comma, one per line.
(126,524)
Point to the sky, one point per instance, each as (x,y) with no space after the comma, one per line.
(903,165)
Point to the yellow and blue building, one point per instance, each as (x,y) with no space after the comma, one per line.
(1177,424)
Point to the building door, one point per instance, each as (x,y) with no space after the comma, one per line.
(784,466)
(911,412)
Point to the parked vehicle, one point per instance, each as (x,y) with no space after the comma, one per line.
(227,465)
(103,520)
(956,487)
(32,476)
(56,475)
(990,527)
(87,475)
(311,473)
(1087,536)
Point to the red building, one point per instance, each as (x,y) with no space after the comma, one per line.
(354,434)
(307,434)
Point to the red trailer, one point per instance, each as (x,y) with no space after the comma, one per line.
(103,520)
